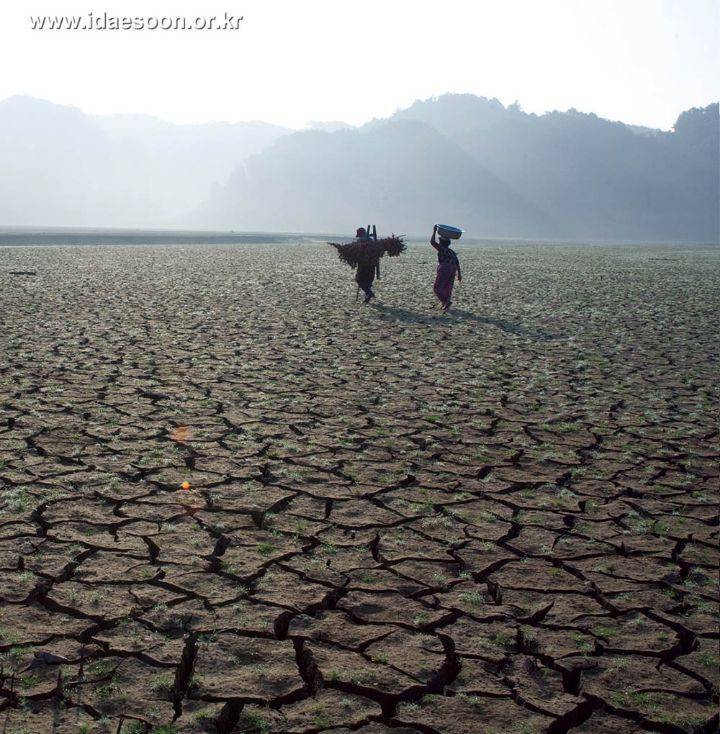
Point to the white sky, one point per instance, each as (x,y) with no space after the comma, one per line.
(640,61)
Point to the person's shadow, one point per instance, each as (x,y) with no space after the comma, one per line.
(403,314)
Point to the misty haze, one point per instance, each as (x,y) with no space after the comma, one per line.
(499,171)
(359,367)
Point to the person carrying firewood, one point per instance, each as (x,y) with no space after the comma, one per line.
(363,256)
(368,267)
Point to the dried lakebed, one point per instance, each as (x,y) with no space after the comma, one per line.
(234,500)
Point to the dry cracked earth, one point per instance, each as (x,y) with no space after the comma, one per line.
(232,499)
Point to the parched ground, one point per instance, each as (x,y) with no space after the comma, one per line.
(234,500)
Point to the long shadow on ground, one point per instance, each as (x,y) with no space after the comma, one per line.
(508,327)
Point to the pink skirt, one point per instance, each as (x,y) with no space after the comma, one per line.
(444,281)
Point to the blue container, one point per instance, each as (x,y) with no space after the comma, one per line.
(452,233)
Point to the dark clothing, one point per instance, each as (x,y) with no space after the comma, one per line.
(369,267)
(365,276)
(445,255)
(448,267)
(444,281)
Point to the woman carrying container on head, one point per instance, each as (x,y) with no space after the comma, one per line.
(448,264)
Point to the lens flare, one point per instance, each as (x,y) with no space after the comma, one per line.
(180,434)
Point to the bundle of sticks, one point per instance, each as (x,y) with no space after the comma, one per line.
(358,251)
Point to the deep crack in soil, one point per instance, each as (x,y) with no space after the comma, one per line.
(234,500)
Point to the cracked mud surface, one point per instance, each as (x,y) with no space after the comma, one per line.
(234,500)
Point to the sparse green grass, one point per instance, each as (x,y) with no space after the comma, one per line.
(161,684)
(301,396)
(709,660)
(473,598)
(255,721)
(265,548)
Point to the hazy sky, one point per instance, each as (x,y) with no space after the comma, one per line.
(640,61)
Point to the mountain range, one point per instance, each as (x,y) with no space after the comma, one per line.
(62,167)
(496,171)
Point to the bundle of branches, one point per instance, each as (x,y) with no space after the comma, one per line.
(394,246)
(368,251)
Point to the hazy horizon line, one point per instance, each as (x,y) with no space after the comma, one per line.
(313,124)
(179,235)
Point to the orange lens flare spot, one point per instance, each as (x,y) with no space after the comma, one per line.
(180,433)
